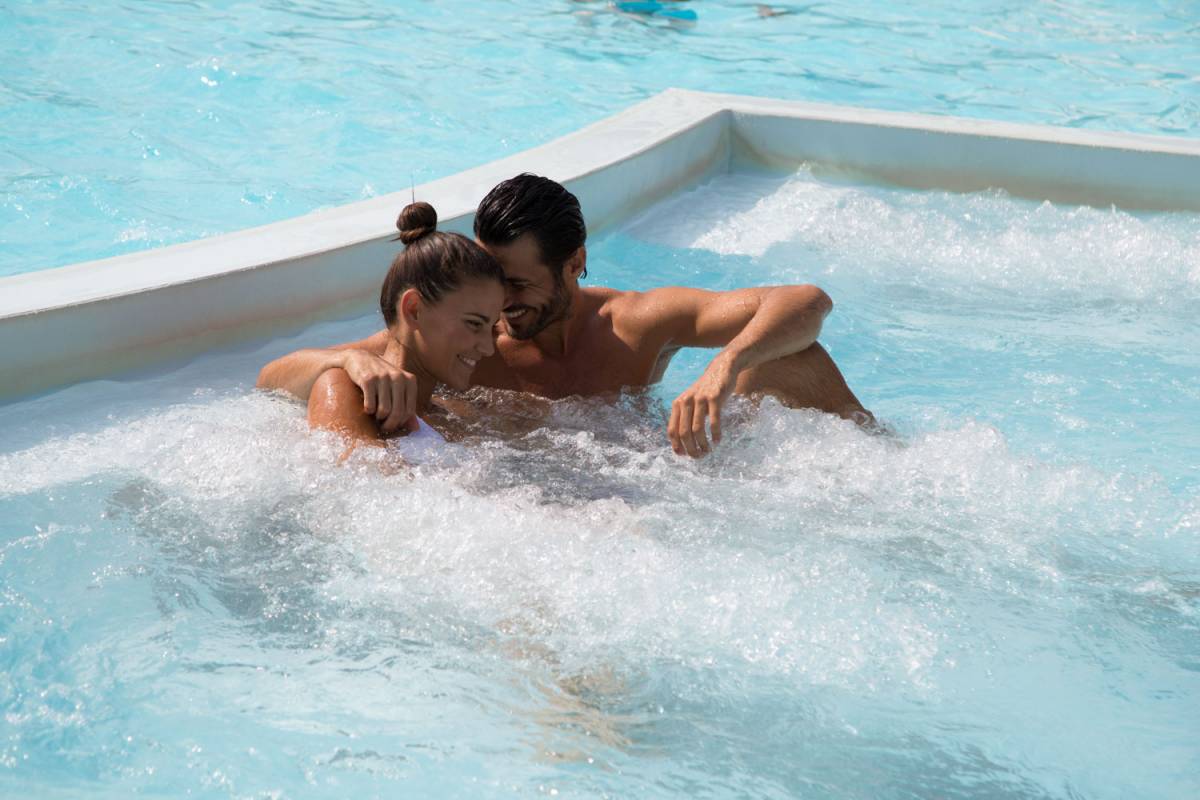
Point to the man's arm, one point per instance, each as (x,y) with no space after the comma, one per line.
(751,326)
(388,392)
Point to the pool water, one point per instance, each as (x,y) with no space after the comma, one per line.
(173,121)
(1002,599)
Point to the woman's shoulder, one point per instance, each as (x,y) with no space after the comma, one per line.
(334,384)
(336,403)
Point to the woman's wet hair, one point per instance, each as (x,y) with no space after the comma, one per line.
(433,262)
(538,206)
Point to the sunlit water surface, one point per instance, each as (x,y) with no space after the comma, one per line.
(1000,599)
(153,122)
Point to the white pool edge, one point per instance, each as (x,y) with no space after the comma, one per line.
(97,318)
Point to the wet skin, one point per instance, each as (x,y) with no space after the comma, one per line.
(556,339)
(433,344)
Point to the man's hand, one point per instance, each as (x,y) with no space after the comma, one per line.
(752,326)
(701,402)
(389,393)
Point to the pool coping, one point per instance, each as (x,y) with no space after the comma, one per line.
(96,318)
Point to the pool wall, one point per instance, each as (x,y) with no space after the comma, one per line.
(99,318)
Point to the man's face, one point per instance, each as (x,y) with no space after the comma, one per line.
(535,297)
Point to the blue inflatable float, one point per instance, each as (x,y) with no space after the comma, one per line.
(651,8)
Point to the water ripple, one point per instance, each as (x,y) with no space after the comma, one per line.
(309,102)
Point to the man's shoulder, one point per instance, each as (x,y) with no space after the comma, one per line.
(634,315)
(614,302)
(621,307)
(650,306)
(601,295)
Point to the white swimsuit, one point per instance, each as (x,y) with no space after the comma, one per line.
(421,446)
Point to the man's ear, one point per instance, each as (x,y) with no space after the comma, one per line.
(411,306)
(576,266)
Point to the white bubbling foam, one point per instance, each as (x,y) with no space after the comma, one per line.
(987,239)
(804,547)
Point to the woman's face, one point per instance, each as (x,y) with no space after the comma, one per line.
(453,334)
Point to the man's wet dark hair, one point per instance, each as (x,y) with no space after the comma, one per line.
(432,262)
(538,206)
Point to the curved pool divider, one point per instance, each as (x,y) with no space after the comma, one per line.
(98,318)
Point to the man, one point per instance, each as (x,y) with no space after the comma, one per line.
(558,338)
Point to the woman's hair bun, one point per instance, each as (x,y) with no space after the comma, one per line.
(416,220)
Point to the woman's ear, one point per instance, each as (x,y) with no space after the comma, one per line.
(411,306)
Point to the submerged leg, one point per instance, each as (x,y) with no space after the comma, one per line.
(808,379)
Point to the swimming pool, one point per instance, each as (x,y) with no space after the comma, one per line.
(1000,600)
(177,120)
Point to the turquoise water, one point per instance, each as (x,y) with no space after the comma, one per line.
(1001,600)
(173,121)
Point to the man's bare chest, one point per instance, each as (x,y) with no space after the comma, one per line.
(605,365)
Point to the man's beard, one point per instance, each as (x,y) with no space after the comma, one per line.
(558,308)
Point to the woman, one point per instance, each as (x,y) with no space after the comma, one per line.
(440,301)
